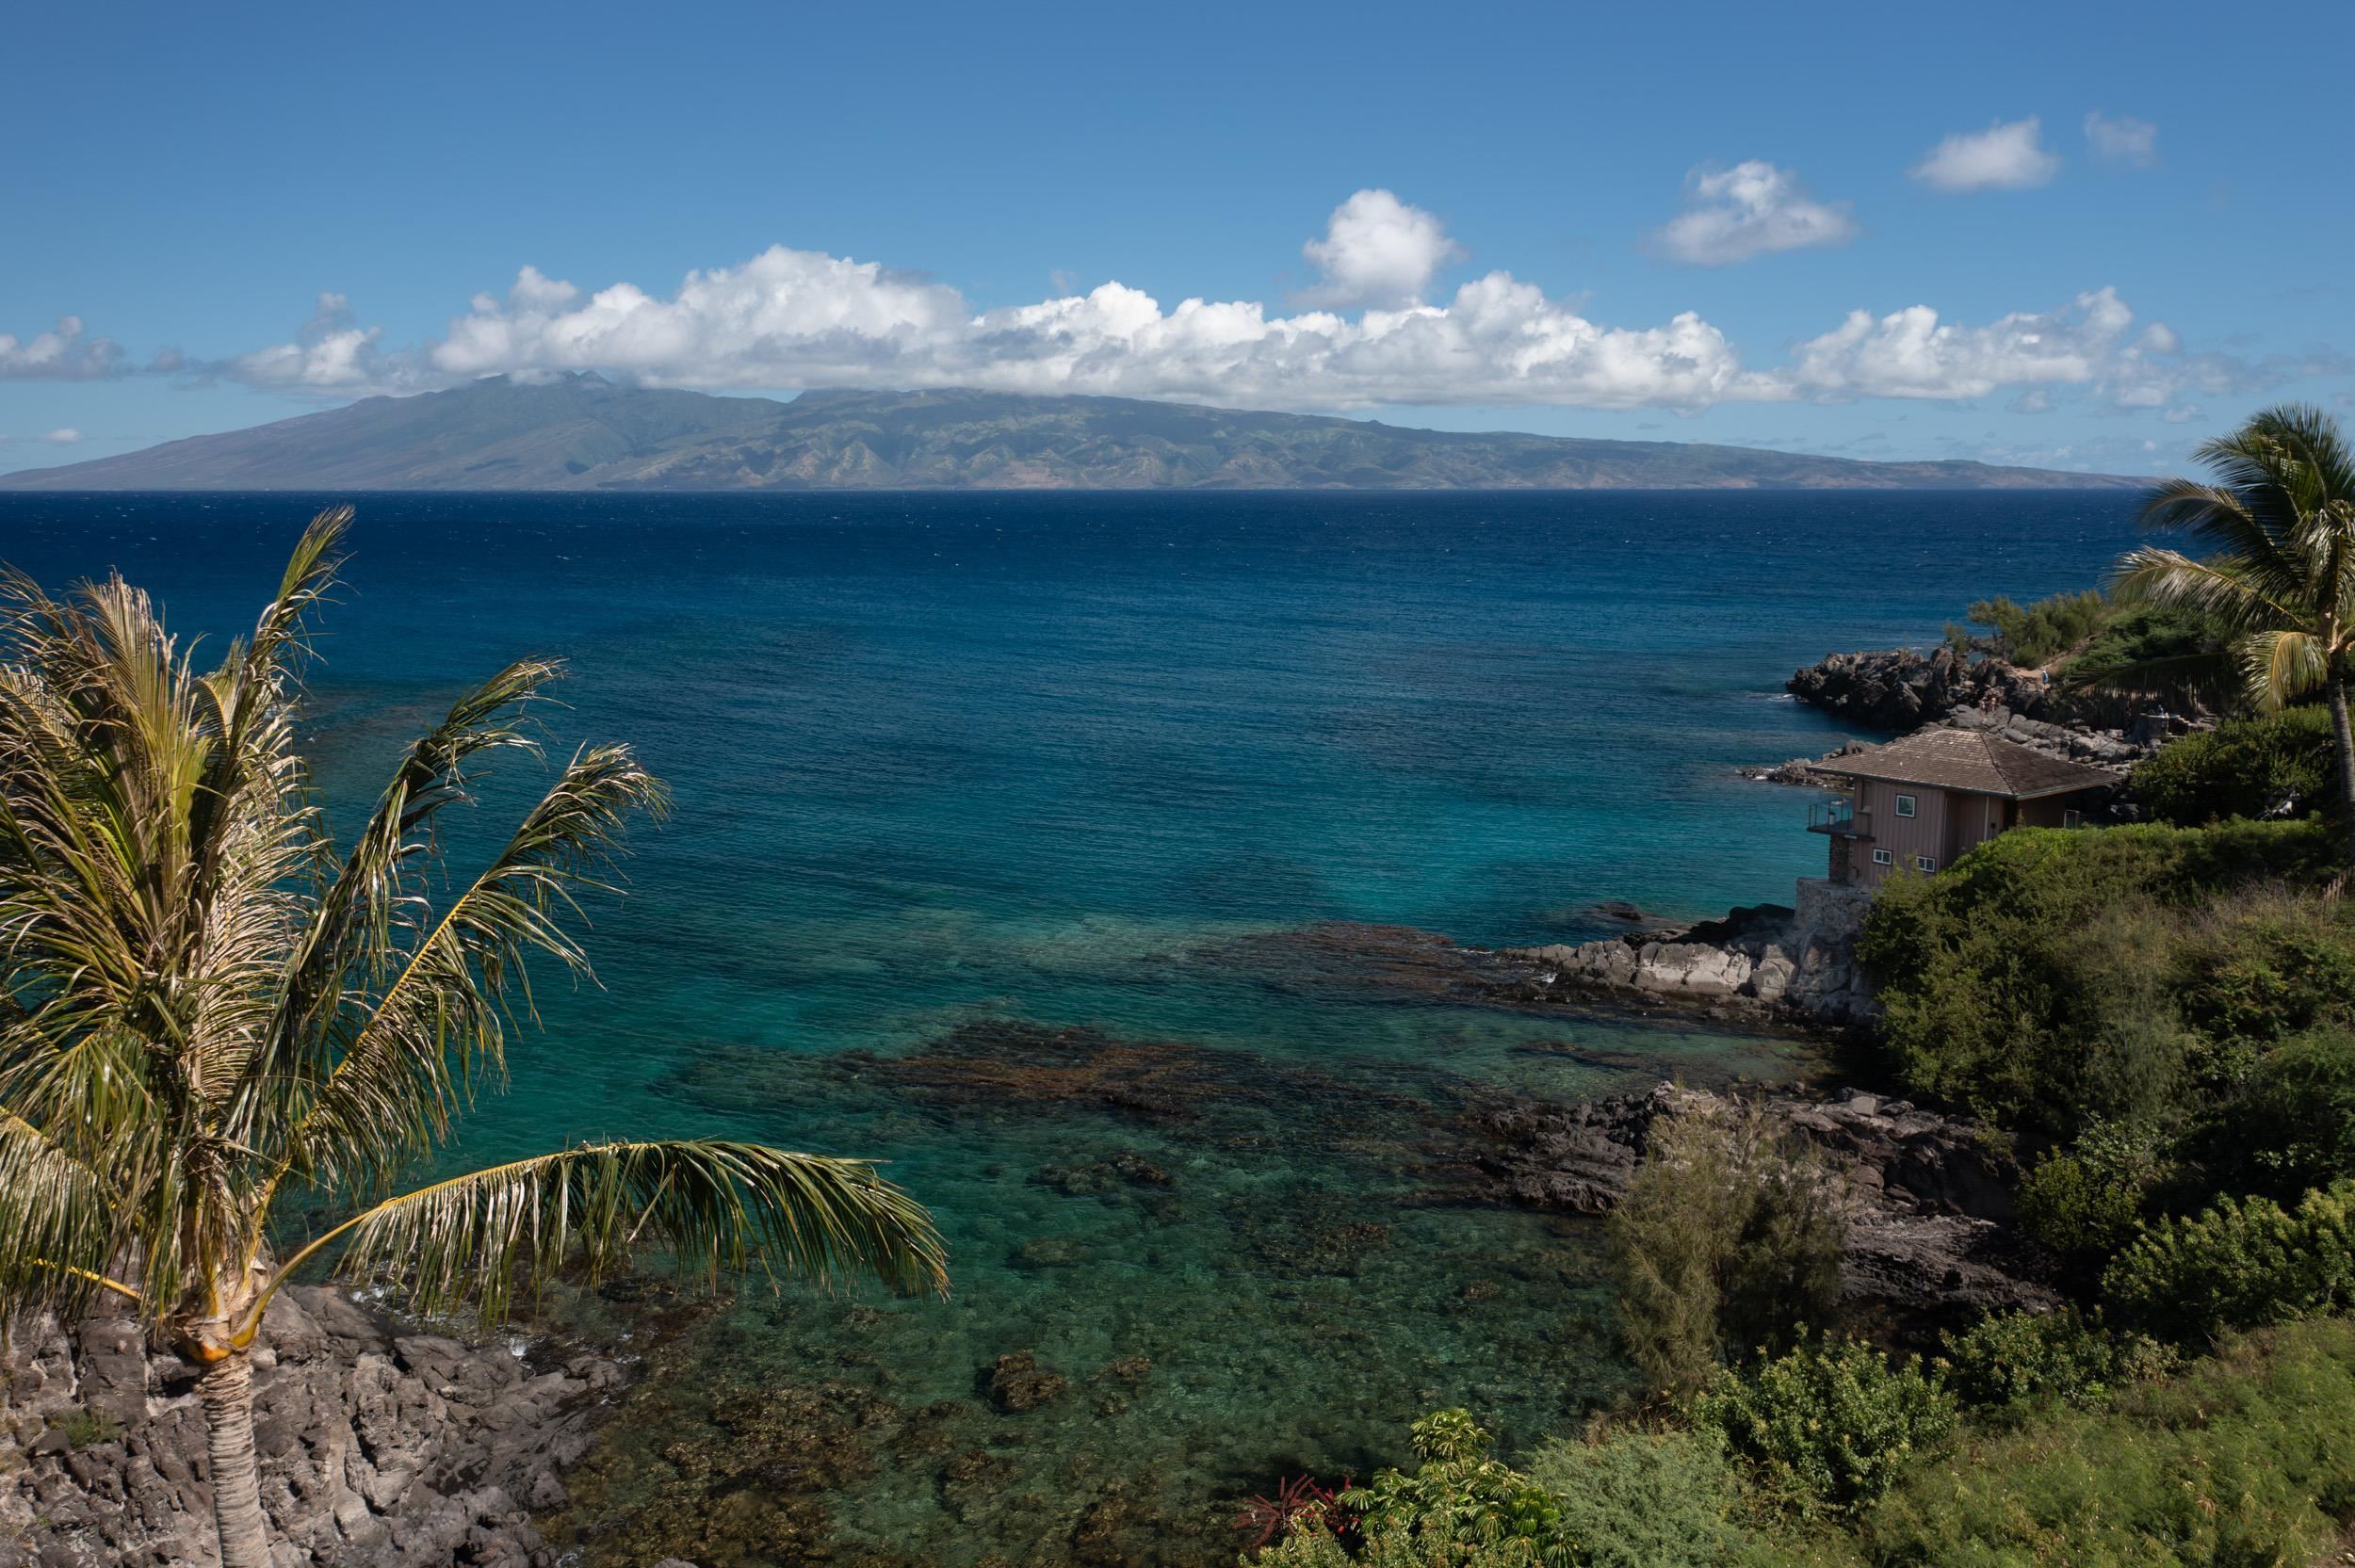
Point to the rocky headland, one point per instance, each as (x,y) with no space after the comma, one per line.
(1928,1197)
(1898,690)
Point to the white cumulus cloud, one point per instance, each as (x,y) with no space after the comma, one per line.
(787,318)
(332,353)
(803,318)
(1912,353)
(60,354)
(2007,155)
(2123,138)
(1377,251)
(1752,209)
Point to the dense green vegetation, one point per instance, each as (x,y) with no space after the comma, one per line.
(2053,979)
(2277,765)
(2239,1265)
(2035,635)
(1829,1427)
(2094,641)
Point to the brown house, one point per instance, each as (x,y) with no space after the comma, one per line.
(1918,803)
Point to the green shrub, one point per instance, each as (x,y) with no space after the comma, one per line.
(1390,1549)
(2086,1202)
(2291,1126)
(1460,1508)
(1831,1425)
(2279,765)
(1638,1499)
(1729,1234)
(2264,965)
(2037,634)
(2039,980)
(2242,1458)
(2010,1363)
(2238,1265)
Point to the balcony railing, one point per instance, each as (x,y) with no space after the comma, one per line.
(1838,818)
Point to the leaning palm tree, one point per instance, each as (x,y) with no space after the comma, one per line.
(2280,578)
(207,1010)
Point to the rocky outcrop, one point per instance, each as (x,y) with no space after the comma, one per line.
(1799,962)
(1928,1197)
(1900,689)
(380,1448)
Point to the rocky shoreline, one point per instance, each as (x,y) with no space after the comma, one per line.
(381,1444)
(1929,1205)
(1798,966)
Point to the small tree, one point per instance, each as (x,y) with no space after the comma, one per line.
(2280,580)
(206,1008)
(1729,1235)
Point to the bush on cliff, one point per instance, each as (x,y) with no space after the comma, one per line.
(2276,764)
(1729,1234)
(2086,1201)
(2238,1265)
(1829,1427)
(2011,1366)
(2034,635)
(2291,1124)
(2046,978)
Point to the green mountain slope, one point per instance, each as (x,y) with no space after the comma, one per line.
(582,434)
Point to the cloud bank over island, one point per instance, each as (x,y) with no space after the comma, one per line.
(1372,330)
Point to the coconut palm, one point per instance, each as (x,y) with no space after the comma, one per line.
(2279,580)
(207,1011)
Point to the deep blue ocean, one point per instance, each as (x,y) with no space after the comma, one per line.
(954,773)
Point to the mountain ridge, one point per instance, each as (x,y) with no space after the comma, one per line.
(581,432)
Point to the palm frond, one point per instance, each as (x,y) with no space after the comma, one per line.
(2281,666)
(2207,674)
(353,937)
(60,1225)
(717,1209)
(2222,587)
(437,1027)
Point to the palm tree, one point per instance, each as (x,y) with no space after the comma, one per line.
(2280,577)
(206,1008)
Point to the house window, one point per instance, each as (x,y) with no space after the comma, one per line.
(1882,857)
(1905,805)
(1924,862)
(2072,819)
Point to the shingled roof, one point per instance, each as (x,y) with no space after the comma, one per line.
(1971,761)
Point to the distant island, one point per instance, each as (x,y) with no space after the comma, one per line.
(581,432)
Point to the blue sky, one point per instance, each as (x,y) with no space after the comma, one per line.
(1652,223)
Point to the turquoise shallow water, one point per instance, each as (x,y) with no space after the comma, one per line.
(956,772)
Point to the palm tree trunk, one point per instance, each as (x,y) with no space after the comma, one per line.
(226,1391)
(2347,753)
